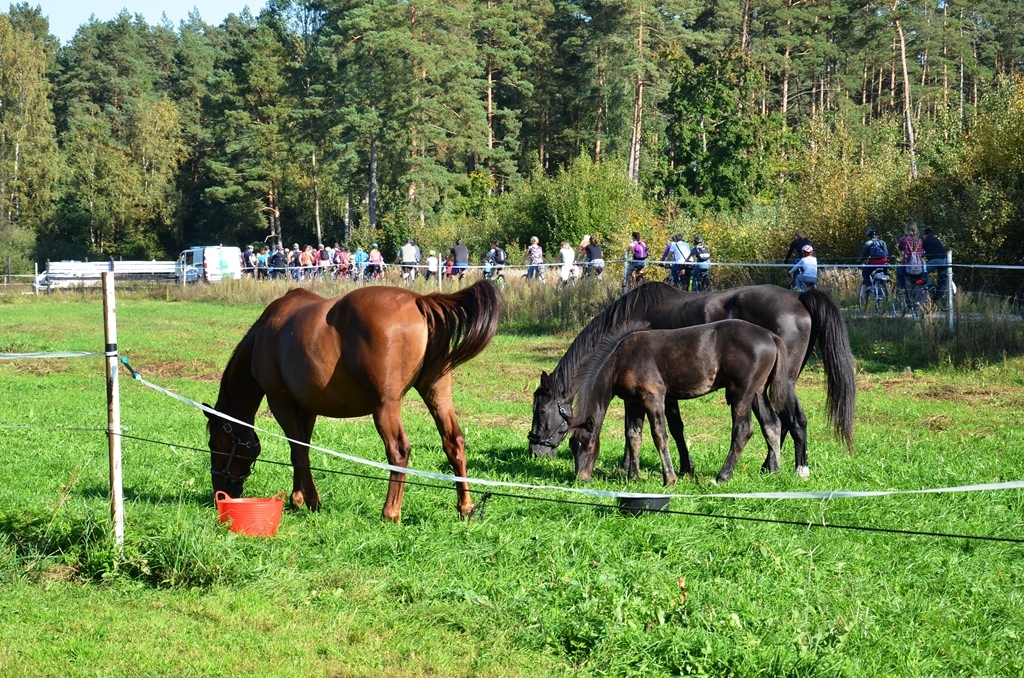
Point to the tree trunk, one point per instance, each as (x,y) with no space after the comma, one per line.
(638,109)
(316,202)
(372,197)
(907,103)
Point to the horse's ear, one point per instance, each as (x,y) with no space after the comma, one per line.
(543,379)
(589,424)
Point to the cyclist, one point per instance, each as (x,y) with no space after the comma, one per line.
(534,260)
(935,262)
(497,255)
(410,257)
(700,255)
(796,248)
(873,254)
(594,256)
(375,263)
(638,253)
(805,269)
(460,254)
(911,268)
(568,257)
(432,265)
(677,252)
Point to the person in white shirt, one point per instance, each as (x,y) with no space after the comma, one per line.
(568,255)
(806,268)
(409,260)
(676,253)
(432,264)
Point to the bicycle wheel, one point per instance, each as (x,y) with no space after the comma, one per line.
(862,298)
(907,303)
(881,295)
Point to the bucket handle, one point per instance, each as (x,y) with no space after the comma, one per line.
(279,496)
(221,495)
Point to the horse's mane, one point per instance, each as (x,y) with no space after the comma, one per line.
(595,380)
(634,305)
(459,325)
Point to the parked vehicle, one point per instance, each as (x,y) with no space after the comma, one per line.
(209,263)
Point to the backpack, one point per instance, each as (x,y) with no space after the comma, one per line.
(915,262)
(877,249)
(702,252)
(499,255)
(640,250)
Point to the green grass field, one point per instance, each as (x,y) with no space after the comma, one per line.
(535,588)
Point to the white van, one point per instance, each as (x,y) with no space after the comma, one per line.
(209,263)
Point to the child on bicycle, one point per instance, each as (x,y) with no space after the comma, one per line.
(805,269)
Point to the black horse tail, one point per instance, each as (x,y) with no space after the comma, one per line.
(829,331)
(781,389)
(460,324)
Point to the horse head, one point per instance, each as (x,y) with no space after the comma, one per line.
(582,443)
(233,449)
(550,420)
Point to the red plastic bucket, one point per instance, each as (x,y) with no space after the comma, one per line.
(253,517)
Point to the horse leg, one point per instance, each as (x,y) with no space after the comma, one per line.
(771,429)
(388,420)
(741,432)
(438,398)
(795,422)
(656,415)
(675,427)
(634,436)
(297,424)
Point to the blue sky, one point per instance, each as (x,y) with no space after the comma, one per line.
(67,15)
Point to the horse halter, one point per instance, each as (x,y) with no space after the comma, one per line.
(562,429)
(236,442)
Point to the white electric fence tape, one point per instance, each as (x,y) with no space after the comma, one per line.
(986,487)
(63,354)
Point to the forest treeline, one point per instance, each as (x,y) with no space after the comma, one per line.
(376,120)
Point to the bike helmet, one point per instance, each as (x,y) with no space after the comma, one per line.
(807,249)
(373,246)
(871,233)
(698,240)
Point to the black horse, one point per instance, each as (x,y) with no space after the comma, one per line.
(800,319)
(652,370)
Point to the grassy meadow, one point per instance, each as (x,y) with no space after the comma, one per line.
(533,588)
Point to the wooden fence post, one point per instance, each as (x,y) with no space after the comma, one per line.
(113,408)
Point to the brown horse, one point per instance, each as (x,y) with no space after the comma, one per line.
(347,357)
(652,370)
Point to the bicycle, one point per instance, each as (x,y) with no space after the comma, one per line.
(701,281)
(914,297)
(634,278)
(877,294)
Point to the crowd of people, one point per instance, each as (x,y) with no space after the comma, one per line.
(688,264)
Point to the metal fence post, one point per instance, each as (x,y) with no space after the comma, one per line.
(949,288)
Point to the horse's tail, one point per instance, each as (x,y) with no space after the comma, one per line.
(828,329)
(459,325)
(781,389)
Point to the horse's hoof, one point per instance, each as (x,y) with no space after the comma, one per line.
(803,471)
(722,478)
